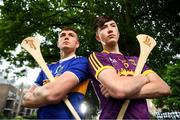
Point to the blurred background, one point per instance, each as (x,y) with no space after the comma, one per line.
(43,18)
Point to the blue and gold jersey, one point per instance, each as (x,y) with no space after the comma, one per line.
(77,65)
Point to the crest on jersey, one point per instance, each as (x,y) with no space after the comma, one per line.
(58,70)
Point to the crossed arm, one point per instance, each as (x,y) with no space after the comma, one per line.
(50,93)
(140,86)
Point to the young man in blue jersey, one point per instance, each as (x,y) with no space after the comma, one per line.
(70,72)
(113,76)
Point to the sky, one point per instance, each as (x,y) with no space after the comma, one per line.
(31,76)
(1,2)
(31,73)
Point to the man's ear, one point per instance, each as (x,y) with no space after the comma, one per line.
(98,38)
(58,44)
(77,44)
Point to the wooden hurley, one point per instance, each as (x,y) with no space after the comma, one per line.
(146,43)
(32,45)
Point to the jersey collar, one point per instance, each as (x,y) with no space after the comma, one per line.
(105,51)
(64,59)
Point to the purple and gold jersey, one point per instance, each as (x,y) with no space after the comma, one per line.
(125,66)
(76,65)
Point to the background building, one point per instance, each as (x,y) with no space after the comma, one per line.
(11,98)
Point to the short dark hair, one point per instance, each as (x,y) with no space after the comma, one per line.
(100,20)
(68,28)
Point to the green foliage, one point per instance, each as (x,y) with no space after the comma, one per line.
(33,116)
(172,76)
(18,118)
(20,19)
(2,116)
(160,19)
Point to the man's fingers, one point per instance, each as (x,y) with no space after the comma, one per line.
(142,77)
(107,95)
(104,91)
(27,96)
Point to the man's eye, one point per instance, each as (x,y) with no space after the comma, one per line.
(103,27)
(113,25)
(62,35)
(70,34)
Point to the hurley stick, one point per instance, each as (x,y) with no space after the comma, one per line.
(32,45)
(147,43)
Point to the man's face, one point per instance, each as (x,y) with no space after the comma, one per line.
(108,33)
(67,39)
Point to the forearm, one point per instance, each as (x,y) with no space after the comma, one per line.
(134,84)
(35,99)
(121,86)
(155,88)
(32,103)
(129,85)
(53,92)
(150,91)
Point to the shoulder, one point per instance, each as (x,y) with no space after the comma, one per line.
(98,55)
(79,59)
(132,57)
(52,64)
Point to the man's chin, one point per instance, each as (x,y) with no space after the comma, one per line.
(65,48)
(112,42)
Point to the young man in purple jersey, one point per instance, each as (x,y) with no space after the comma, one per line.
(70,72)
(113,78)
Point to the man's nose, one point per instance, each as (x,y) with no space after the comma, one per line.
(110,30)
(66,38)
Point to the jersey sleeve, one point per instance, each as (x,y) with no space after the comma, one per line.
(39,80)
(79,67)
(98,62)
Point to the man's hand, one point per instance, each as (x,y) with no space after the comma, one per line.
(38,92)
(33,97)
(104,91)
(28,96)
(141,77)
